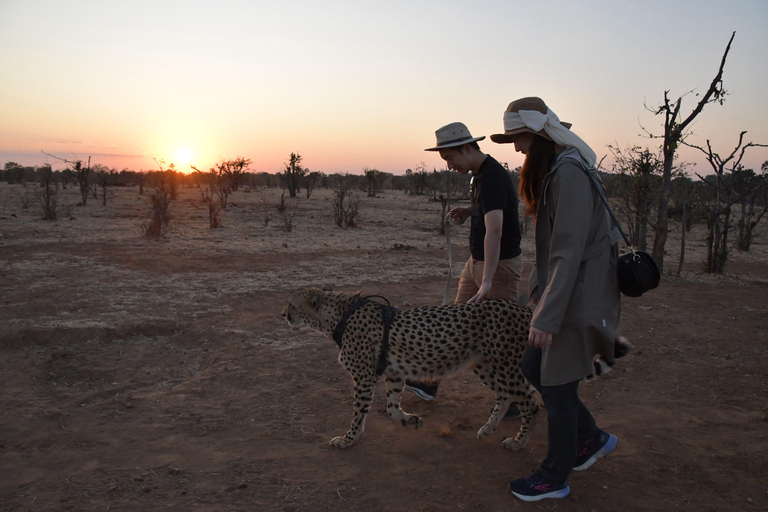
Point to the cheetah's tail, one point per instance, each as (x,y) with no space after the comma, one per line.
(601,366)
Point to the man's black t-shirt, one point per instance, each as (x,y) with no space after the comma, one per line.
(493,189)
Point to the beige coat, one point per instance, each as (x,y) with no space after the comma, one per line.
(575,275)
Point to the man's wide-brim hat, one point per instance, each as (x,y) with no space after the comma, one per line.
(529,103)
(452,135)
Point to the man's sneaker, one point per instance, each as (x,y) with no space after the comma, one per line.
(535,488)
(593,450)
(421,390)
(512,413)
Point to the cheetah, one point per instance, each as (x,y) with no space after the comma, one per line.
(423,344)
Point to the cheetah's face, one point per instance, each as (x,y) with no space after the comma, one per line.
(310,306)
(301,306)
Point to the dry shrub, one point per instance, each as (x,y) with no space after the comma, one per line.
(160,201)
(214,207)
(47,196)
(281,205)
(24,196)
(346,205)
(265,196)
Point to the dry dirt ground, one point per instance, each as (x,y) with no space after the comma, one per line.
(142,375)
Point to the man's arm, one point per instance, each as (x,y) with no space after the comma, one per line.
(494,221)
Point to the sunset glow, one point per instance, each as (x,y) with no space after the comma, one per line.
(352,85)
(183,158)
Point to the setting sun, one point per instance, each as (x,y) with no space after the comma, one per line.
(182,157)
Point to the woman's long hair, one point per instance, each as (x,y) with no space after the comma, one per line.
(538,162)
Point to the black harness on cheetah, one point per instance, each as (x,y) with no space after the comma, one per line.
(388,313)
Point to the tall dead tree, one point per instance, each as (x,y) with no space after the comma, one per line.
(675,132)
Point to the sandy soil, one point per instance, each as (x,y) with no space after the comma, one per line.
(158,375)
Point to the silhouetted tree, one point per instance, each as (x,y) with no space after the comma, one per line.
(293,174)
(310,181)
(82,173)
(160,202)
(637,190)
(675,132)
(234,170)
(732,185)
(47,194)
(754,205)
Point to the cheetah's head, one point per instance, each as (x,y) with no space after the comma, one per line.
(319,309)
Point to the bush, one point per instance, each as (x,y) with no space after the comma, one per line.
(160,202)
(345,206)
(47,196)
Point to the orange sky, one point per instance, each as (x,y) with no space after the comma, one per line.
(350,85)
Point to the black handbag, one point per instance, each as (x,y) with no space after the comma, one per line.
(638,273)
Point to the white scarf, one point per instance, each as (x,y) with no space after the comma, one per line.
(550,123)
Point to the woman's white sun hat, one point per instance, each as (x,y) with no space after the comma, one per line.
(531,115)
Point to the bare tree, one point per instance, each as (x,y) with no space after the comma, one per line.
(675,132)
(687,197)
(417,178)
(14,173)
(754,205)
(160,201)
(265,197)
(370,179)
(729,190)
(346,203)
(219,183)
(104,178)
(636,168)
(214,207)
(81,172)
(47,194)
(310,181)
(234,170)
(293,174)
(141,178)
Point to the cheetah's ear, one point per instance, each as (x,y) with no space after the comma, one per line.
(315,297)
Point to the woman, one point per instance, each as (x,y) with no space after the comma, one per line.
(573,285)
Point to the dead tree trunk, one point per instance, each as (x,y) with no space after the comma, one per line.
(674,134)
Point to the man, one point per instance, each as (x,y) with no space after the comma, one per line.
(496,263)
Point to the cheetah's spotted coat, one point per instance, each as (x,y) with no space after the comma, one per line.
(426,343)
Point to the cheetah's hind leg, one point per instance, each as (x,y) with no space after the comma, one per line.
(498,412)
(394,394)
(528,412)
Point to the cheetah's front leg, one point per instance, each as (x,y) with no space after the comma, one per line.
(362,404)
(394,394)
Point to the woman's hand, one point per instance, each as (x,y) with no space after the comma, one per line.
(538,338)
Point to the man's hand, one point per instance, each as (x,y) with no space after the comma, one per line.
(459,215)
(485,289)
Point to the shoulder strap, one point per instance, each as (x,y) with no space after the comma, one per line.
(599,191)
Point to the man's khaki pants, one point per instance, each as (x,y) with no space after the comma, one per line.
(506,281)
